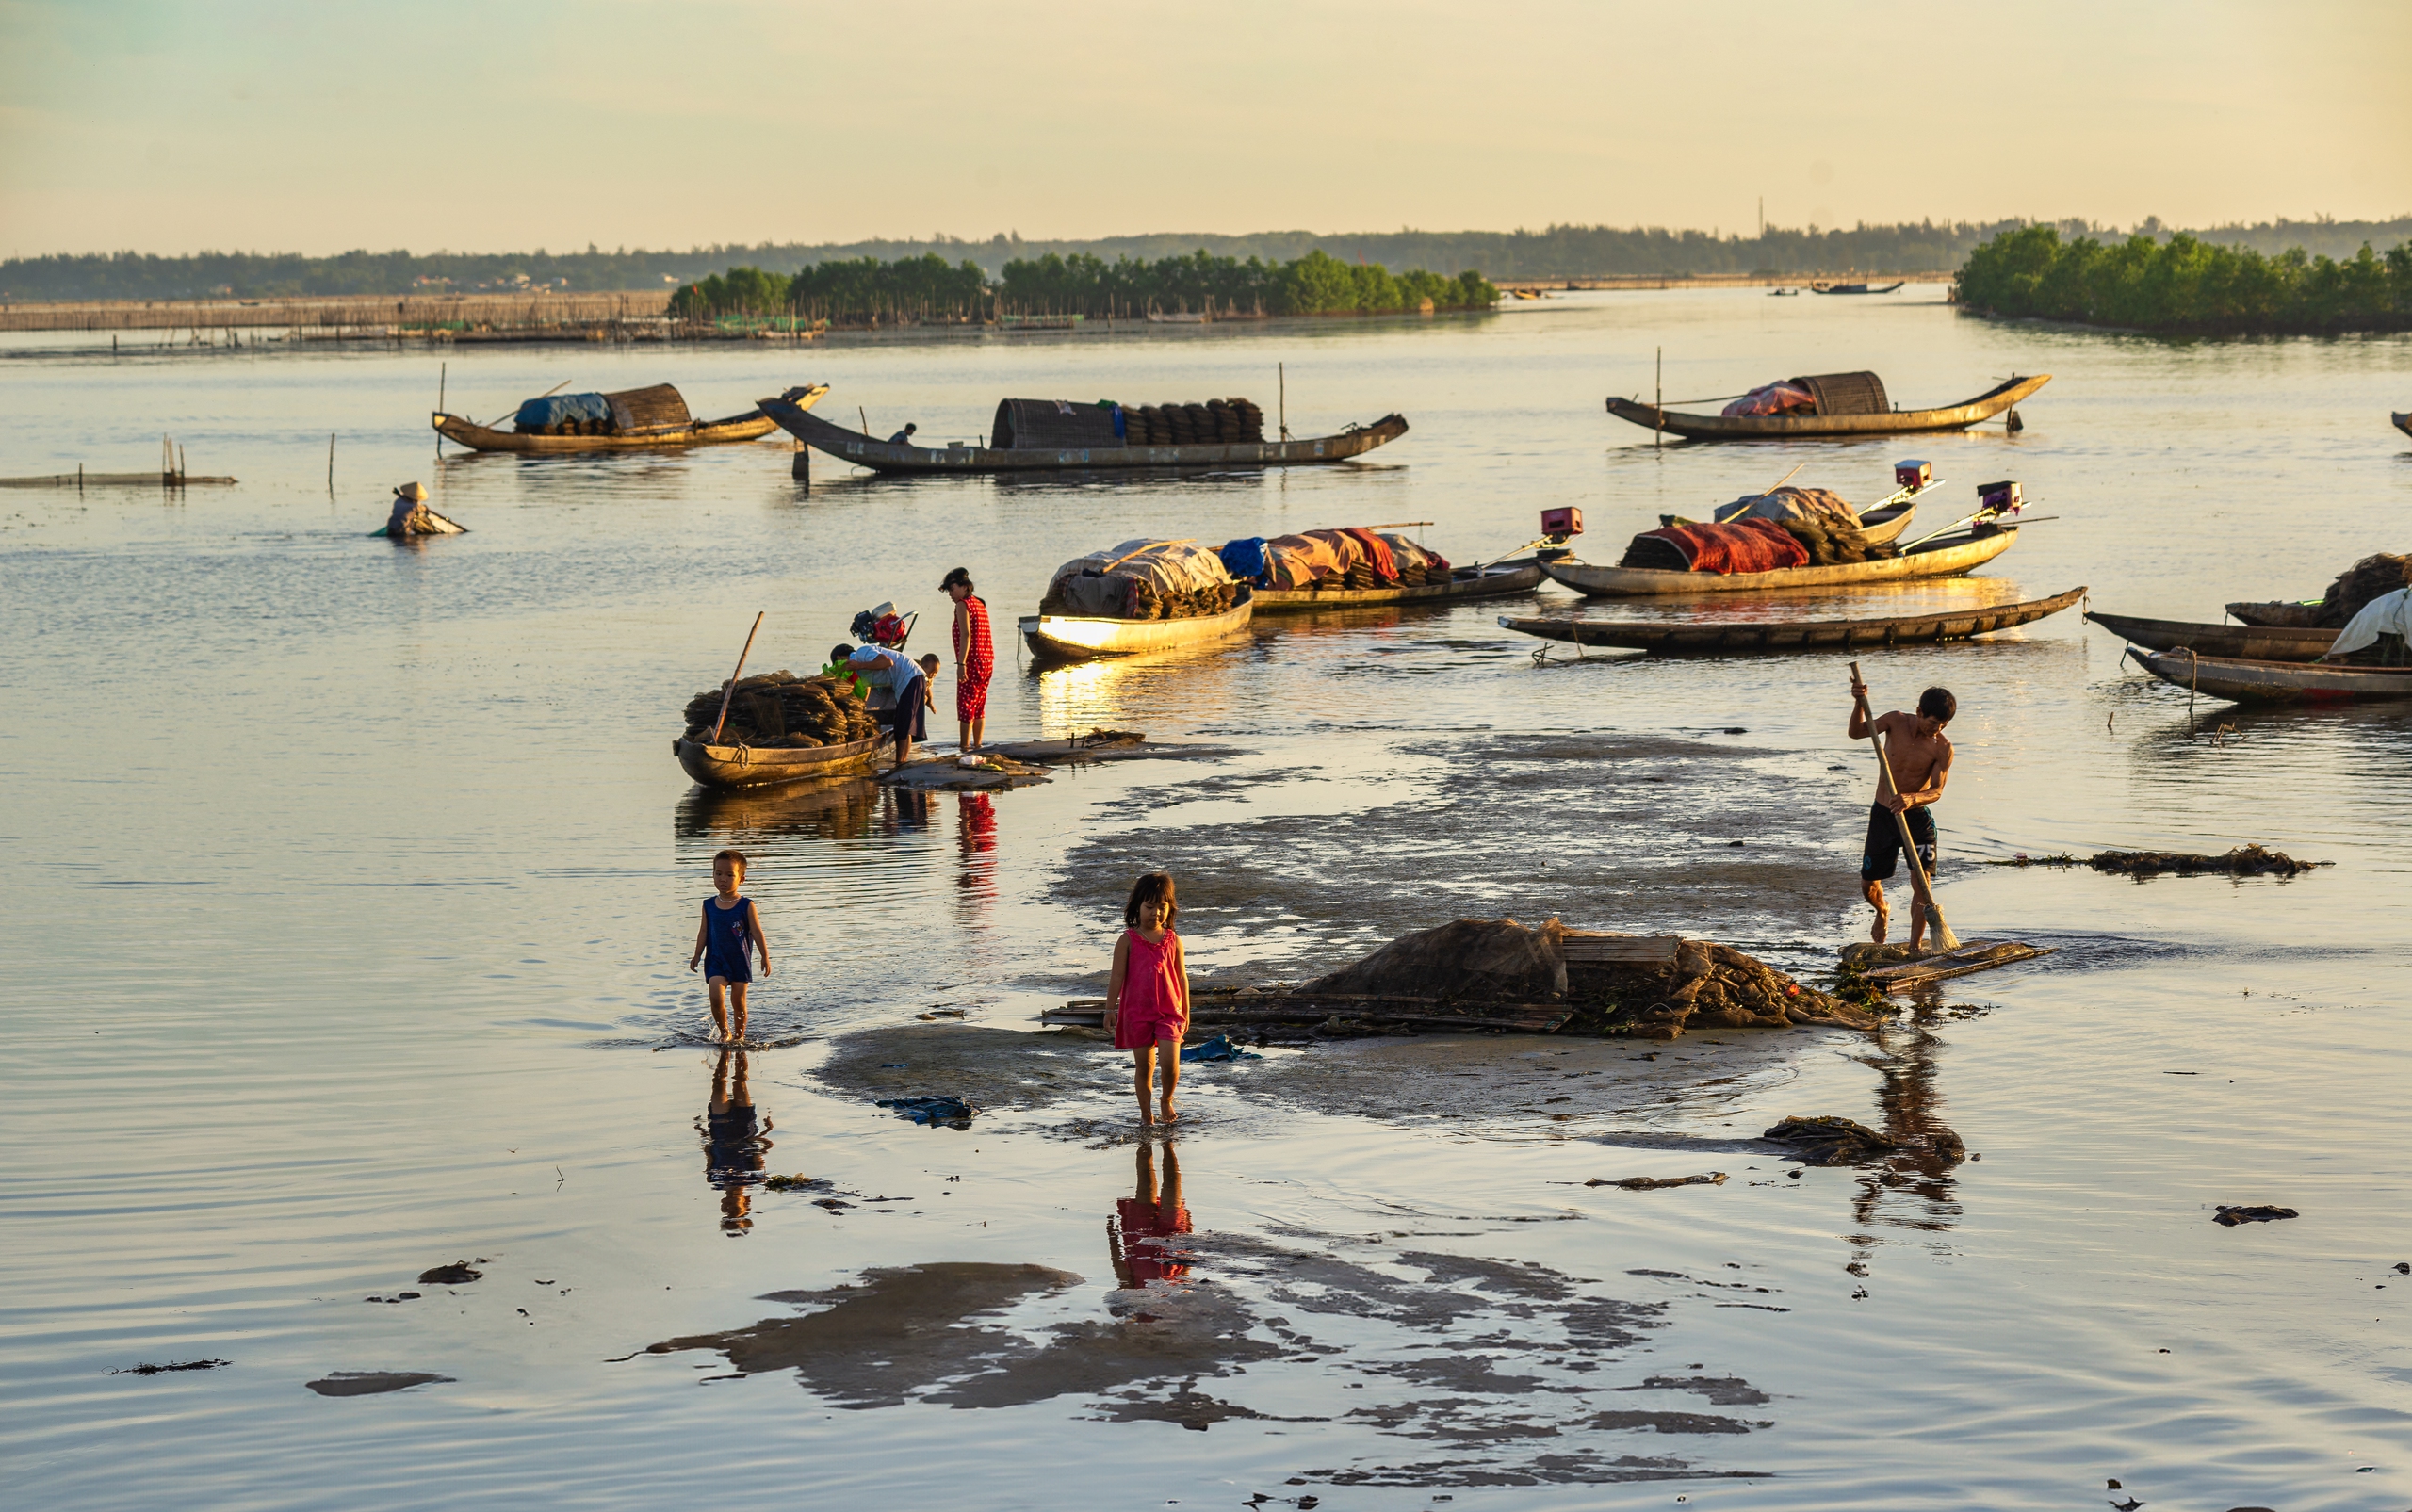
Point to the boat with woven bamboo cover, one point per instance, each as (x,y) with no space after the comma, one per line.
(658,418)
(760,766)
(1086,638)
(881,456)
(1945,557)
(2252,643)
(2241,681)
(1496,579)
(1681,637)
(1820,423)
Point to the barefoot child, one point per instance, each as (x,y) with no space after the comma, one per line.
(729,930)
(1918,757)
(1147,1003)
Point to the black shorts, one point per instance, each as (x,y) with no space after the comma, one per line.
(1882,855)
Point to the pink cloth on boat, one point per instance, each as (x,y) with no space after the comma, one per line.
(1774,399)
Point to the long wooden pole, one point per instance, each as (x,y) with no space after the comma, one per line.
(514,409)
(1943,936)
(731,691)
(1658,401)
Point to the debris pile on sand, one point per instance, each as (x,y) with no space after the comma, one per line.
(1836,1141)
(779,708)
(2245,861)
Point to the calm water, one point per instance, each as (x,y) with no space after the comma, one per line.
(347,887)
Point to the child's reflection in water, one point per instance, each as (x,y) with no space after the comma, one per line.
(1140,1234)
(734,1143)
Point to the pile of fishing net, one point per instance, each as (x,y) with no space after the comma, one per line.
(779,708)
(1829,541)
(1351,557)
(1143,579)
(1478,961)
(1213,422)
(2372,577)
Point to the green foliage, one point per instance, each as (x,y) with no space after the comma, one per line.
(1315,283)
(857,291)
(2186,285)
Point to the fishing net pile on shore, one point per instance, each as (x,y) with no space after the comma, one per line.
(1213,423)
(1143,579)
(779,708)
(1486,968)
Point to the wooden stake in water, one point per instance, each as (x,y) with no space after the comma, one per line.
(331,464)
(1281,376)
(731,691)
(1658,401)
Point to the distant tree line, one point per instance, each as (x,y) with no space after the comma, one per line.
(2185,286)
(1554,252)
(865,291)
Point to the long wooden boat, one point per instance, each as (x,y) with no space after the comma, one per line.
(751,426)
(1796,427)
(2253,642)
(1948,557)
(864,451)
(1080,638)
(760,766)
(2274,682)
(1855,288)
(1493,580)
(1677,637)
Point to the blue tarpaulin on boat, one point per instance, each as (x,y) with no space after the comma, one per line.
(560,408)
(1243,558)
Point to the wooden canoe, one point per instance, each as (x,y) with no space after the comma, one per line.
(1798,427)
(1947,558)
(752,425)
(1495,581)
(1855,288)
(1681,637)
(881,456)
(1077,638)
(2252,643)
(2280,613)
(2242,681)
(760,766)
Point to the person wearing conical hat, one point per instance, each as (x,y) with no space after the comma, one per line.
(411,516)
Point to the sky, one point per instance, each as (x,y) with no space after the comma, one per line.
(268,125)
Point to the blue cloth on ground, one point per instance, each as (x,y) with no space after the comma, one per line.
(932,1110)
(1243,558)
(1218,1049)
(560,408)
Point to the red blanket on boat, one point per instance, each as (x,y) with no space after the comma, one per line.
(1377,551)
(1746,546)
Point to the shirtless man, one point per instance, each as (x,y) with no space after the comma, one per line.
(1920,761)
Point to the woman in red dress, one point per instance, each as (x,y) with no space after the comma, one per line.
(974,658)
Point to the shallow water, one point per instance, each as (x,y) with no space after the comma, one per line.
(347,884)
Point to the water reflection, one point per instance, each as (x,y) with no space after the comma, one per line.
(736,1142)
(975,829)
(832,809)
(1143,1237)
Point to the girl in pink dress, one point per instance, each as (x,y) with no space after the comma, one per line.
(1147,1003)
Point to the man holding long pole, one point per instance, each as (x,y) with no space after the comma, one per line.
(1913,759)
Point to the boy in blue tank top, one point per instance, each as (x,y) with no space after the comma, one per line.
(731,931)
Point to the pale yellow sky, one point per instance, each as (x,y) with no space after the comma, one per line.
(508,125)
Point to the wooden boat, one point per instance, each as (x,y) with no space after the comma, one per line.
(2403,423)
(751,426)
(1948,557)
(2282,613)
(1796,427)
(1884,526)
(2253,642)
(2242,681)
(760,766)
(1078,637)
(1493,580)
(1855,288)
(863,451)
(1678,637)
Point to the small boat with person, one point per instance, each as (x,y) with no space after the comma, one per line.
(2250,642)
(1698,637)
(636,420)
(1841,405)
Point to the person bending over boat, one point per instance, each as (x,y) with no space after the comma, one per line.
(908,681)
(1918,757)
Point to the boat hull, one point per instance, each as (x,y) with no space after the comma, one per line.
(2250,642)
(1078,637)
(881,456)
(1944,558)
(1660,639)
(1497,581)
(729,766)
(2403,423)
(706,433)
(1800,427)
(2240,681)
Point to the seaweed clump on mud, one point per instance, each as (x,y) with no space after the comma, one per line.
(2243,861)
(1707,987)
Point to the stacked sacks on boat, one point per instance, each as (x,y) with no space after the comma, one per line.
(1217,422)
(779,708)
(1143,579)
